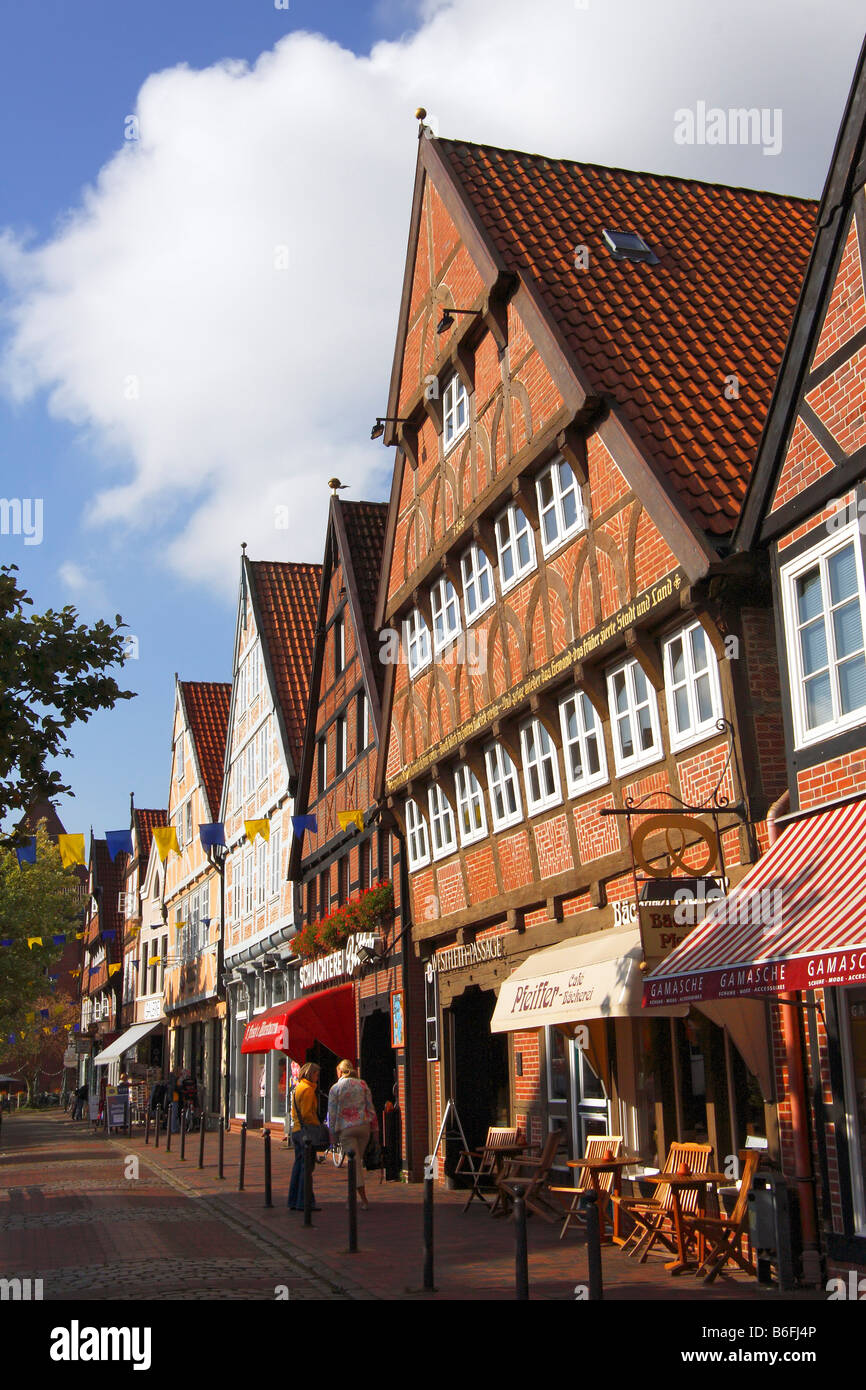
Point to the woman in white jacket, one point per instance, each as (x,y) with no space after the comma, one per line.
(352,1119)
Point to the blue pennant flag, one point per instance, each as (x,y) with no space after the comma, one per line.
(108,935)
(206,921)
(6,941)
(302,823)
(76,1027)
(59,939)
(93,969)
(52,979)
(118,842)
(43,1013)
(26,853)
(11,1037)
(212,834)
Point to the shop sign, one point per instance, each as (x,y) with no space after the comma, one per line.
(70,1057)
(460,957)
(682,835)
(152,1010)
(338,963)
(661,930)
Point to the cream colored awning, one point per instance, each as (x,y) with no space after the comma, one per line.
(585,977)
(115,1050)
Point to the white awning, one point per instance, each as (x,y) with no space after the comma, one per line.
(585,977)
(115,1050)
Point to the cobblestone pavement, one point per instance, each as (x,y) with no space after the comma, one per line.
(70,1216)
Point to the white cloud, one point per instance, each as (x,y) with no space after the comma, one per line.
(212,385)
(82,588)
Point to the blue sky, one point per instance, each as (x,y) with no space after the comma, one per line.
(152,261)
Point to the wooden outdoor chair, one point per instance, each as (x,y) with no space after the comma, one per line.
(529,1178)
(483,1164)
(596,1147)
(654,1216)
(725,1233)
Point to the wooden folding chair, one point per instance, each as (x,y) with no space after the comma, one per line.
(529,1178)
(725,1233)
(596,1147)
(654,1216)
(482,1165)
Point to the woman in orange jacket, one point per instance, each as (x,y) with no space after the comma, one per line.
(305,1111)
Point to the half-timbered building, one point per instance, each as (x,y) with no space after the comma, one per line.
(273,656)
(583,364)
(346,864)
(805,510)
(194,1001)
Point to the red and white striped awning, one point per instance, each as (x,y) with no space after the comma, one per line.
(796,921)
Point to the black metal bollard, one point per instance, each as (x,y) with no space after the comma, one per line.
(201,1140)
(158,1120)
(428,1224)
(521,1256)
(593,1247)
(353,1204)
(242,1160)
(183,1114)
(129,1117)
(267,1144)
(222,1148)
(309,1160)
(168,1119)
(147,1125)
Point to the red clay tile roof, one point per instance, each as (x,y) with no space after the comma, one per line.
(207,712)
(286,598)
(111,878)
(660,339)
(365,524)
(145,822)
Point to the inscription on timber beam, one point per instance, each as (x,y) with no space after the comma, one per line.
(579,650)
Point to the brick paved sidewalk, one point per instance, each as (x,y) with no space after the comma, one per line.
(474,1254)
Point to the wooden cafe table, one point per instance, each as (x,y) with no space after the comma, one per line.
(594,1168)
(680,1183)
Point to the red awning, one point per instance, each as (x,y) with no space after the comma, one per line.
(796,921)
(327,1017)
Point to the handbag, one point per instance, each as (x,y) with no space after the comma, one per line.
(315,1135)
(373,1156)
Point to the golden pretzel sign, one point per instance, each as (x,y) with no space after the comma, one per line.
(680,832)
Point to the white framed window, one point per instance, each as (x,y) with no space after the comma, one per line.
(264,750)
(322,747)
(445,606)
(416,637)
(261,871)
(187,822)
(242,688)
(275,884)
(582,743)
(180,818)
(341,751)
(248,883)
(516,546)
(179,759)
(254,674)
(824,604)
(443,831)
(478,588)
(471,815)
(339,645)
(692,689)
(504,787)
(560,505)
(455,411)
(540,767)
(634,717)
(362,715)
(203,915)
(416,836)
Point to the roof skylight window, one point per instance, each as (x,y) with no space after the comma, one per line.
(628,246)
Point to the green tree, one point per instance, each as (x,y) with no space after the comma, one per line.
(36,1056)
(52,674)
(36,900)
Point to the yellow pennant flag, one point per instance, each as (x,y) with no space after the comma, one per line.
(257,827)
(79,936)
(71,850)
(132,931)
(46,1030)
(34,941)
(166,839)
(75,973)
(28,1018)
(154,960)
(345,818)
(113,969)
